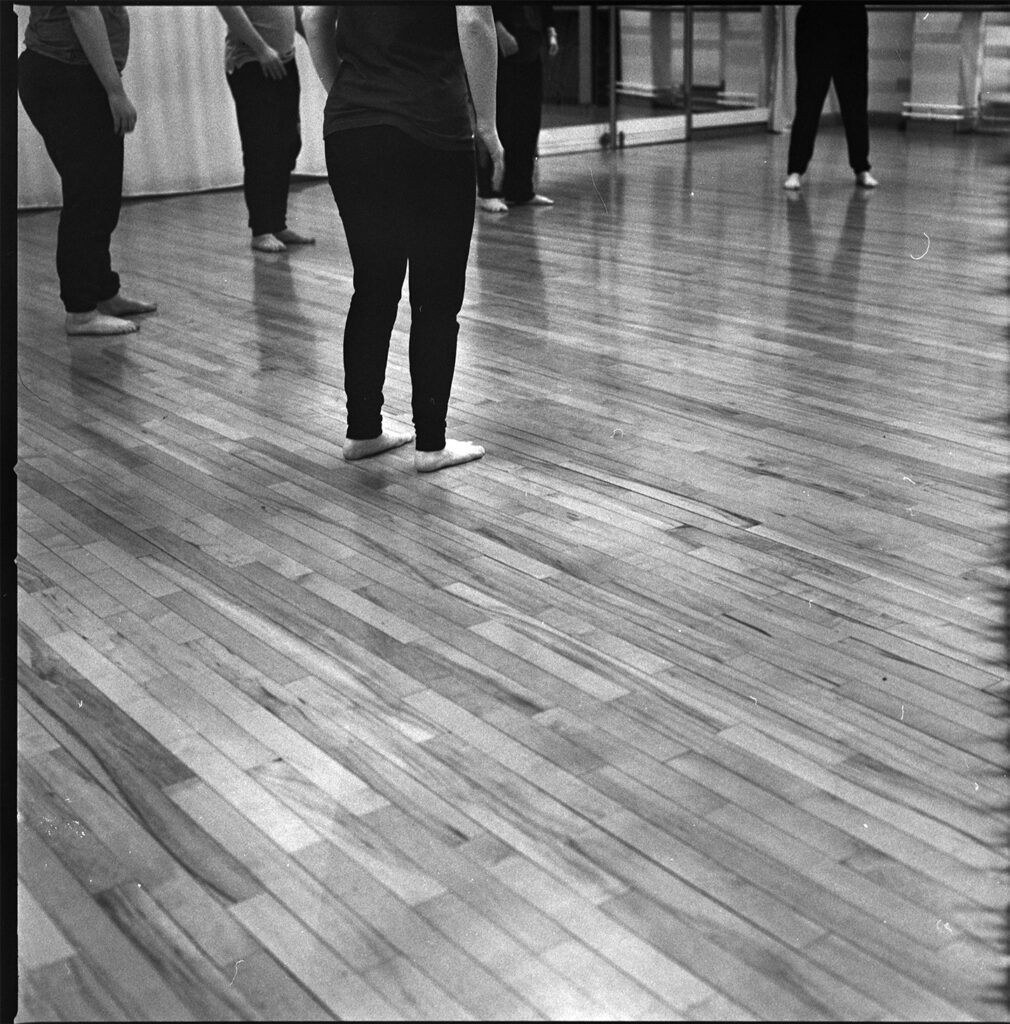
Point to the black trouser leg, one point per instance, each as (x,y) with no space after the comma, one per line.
(439,247)
(813,77)
(267,111)
(402,202)
(520,99)
(70,109)
(851,87)
(365,177)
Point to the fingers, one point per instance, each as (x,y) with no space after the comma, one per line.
(124,115)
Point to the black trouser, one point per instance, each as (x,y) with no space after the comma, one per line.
(831,46)
(270,130)
(520,95)
(69,107)
(403,205)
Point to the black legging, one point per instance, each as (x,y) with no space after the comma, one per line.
(404,205)
(831,46)
(519,100)
(69,107)
(268,124)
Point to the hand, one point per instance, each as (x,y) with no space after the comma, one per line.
(271,64)
(124,114)
(488,138)
(506,41)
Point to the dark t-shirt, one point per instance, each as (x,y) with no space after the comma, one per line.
(400,65)
(50,33)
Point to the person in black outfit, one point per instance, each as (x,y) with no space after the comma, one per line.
(831,46)
(263,79)
(400,159)
(69,80)
(522,31)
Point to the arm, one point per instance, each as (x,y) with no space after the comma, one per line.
(89,27)
(319,24)
(478,44)
(242,28)
(508,42)
(552,32)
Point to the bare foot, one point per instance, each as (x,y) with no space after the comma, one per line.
(455,453)
(534,200)
(268,243)
(94,322)
(492,204)
(290,237)
(364,449)
(123,305)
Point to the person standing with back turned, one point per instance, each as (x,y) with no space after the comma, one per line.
(71,86)
(832,41)
(263,79)
(524,31)
(400,159)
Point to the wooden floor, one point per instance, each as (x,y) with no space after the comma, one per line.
(688,701)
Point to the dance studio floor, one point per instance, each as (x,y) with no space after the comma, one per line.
(687,701)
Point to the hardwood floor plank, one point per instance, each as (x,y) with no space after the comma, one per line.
(467,879)
(930,832)
(414,995)
(891,989)
(548,992)
(92,863)
(121,972)
(978,885)
(204,988)
(790,991)
(454,970)
(650,967)
(688,700)
(318,968)
(349,833)
(614,992)
(381,747)
(40,941)
(68,990)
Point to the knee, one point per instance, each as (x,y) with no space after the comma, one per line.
(378,298)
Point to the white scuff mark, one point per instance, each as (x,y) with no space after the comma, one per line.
(910,480)
(80,703)
(927,247)
(617,433)
(903,712)
(235,975)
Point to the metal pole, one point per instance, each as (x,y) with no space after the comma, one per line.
(688,67)
(613,76)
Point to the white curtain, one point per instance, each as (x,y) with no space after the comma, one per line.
(186,139)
